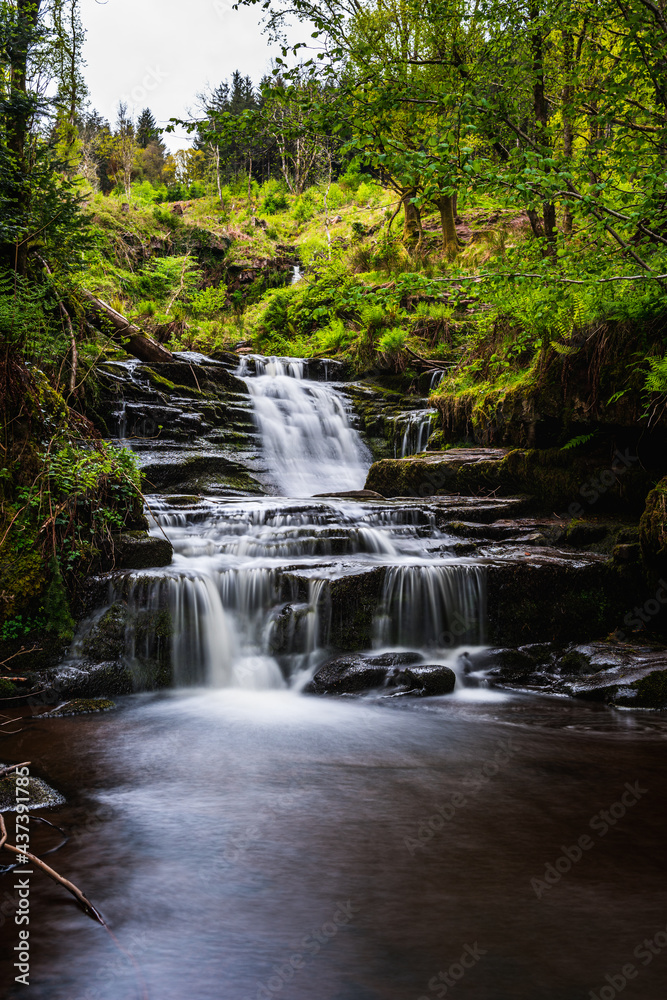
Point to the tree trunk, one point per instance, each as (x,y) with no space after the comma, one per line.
(568,127)
(412,227)
(541,112)
(450,240)
(125,333)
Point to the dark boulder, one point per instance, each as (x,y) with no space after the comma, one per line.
(138,550)
(396,673)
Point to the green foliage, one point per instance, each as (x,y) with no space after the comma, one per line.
(20,626)
(656,378)
(304,207)
(334,337)
(393,340)
(274,198)
(581,439)
(208,302)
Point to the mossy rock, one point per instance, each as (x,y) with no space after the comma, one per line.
(653,529)
(648,692)
(106,639)
(23,577)
(82,706)
(139,550)
(557,479)
(40,795)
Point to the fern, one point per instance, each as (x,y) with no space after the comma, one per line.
(576,442)
(656,379)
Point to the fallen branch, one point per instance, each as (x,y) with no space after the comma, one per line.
(86,905)
(133,340)
(22,651)
(438,365)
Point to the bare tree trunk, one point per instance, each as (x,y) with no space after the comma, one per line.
(131,337)
(326,205)
(217,172)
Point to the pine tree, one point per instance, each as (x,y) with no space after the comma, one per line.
(147,129)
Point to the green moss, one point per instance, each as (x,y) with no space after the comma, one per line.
(56,606)
(653,528)
(651,691)
(82,706)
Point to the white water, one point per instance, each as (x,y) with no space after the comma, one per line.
(309,442)
(253,598)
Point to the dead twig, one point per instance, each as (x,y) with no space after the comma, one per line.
(86,905)
(22,651)
(14,767)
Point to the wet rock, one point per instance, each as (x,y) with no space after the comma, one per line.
(106,639)
(553,477)
(359,672)
(347,675)
(350,495)
(521,665)
(617,673)
(653,529)
(40,795)
(423,680)
(81,706)
(138,550)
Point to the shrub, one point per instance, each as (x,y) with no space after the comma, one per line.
(304,209)
(393,340)
(206,303)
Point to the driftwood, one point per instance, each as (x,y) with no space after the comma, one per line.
(131,337)
(85,904)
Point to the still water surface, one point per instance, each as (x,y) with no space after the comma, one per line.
(265,844)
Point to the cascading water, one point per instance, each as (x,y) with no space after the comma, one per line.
(309,442)
(262,590)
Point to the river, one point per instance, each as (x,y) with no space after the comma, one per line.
(244,840)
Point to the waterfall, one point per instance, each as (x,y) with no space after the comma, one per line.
(413,430)
(431,606)
(309,443)
(262,590)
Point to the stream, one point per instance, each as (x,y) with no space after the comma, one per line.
(246,840)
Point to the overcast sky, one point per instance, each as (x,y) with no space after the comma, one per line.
(161,53)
